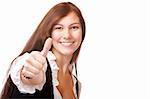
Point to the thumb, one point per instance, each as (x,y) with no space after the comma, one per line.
(47,46)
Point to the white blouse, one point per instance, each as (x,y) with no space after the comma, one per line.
(23,88)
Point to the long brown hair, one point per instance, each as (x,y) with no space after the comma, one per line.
(44,31)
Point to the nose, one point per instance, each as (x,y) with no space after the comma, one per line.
(66,34)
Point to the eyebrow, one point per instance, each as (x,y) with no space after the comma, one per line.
(58,24)
(69,25)
(74,24)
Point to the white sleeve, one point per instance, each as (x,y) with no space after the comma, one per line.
(15,75)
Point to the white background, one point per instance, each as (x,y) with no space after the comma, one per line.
(114,62)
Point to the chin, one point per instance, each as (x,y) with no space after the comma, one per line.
(66,52)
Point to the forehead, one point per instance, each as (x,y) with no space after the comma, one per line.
(69,19)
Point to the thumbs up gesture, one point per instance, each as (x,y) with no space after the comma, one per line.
(32,71)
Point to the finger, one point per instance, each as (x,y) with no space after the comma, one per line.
(30,68)
(34,63)
(47,46)
(37,56)
(27,74)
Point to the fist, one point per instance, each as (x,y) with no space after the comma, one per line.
(32,71)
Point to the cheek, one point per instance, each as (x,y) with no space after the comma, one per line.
(55,36)
(55,39)
(78,36)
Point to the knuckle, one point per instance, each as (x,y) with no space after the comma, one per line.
(40,66)
(23,71)
(35,70)
(27,64)
(30,58)
(43,60)
(34,52)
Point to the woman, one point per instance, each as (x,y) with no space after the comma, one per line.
(44,68)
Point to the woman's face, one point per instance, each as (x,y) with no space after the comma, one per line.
(67,35)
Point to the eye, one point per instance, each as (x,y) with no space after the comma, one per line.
(74,27)
(58,28)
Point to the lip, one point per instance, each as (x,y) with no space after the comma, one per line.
(66,43)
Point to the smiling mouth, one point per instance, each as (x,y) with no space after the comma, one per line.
(66,43)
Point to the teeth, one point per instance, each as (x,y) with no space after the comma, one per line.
(66,43)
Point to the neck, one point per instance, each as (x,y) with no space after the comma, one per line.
(63,61)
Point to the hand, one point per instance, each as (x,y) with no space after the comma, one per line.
(32,72)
